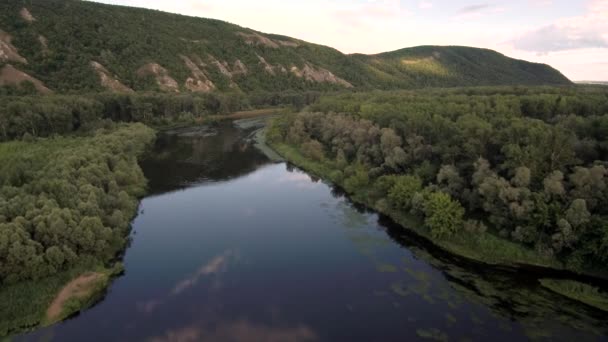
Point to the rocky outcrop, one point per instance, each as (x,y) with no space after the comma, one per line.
(8,52)
(164,81)
(26,15)
(319,75)
(108,80)
(198,81)
(260,40)
(9,75)
(44,43)
(267,67)
(239,68)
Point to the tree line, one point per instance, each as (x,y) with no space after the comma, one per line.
(43,116)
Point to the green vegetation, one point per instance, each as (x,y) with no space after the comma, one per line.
(67,200)
(80,293)
(67,35)
(500,175)
(25,304)
(63,114)
(587,294)
(65,207)
(456,66)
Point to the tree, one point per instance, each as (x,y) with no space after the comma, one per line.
(444,216)
(403,190)
(313,149)
(554,184)
(577,214)
(450,181)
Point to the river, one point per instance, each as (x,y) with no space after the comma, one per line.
(230,246)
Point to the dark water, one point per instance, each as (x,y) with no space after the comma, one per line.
(231,247)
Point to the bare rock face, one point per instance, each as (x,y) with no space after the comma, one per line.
(44,43)
(267,67)
(221,66)
(9,75)
(8,52)
(26,15)
(108,80)
(164,81)
(198,81)
(239,68)
(319,75)
(260,40)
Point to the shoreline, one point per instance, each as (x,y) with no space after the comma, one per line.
(459,247)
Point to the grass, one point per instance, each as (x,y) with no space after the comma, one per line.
(24,305)
(85,297)
(581,292)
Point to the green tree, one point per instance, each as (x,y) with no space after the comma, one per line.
(401,193)
(444,216)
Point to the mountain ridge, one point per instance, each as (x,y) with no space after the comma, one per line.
(74,46)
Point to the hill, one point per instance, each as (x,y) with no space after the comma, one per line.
(67,46)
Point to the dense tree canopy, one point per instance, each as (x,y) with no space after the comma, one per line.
(68,201)
(530,164)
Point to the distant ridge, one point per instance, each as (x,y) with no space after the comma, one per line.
(74,46)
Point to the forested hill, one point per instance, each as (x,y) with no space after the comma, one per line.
(77,46)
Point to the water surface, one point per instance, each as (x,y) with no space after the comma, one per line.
(231,247)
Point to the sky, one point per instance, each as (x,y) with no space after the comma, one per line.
(570,35)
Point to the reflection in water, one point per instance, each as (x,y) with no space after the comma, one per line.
(188,157)
(254,251)
(510,295)
(238,331)
(216,265)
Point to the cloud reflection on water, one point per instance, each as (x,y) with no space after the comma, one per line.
(215,266)
(237,331)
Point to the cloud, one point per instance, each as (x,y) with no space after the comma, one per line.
(425,5)
(370,14)
(473,8)
(553,38)
(579,32)
(477,11)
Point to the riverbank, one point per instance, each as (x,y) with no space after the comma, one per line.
(575,290)
(483,248)
(80,293)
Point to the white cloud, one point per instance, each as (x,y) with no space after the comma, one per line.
(579,32)
(425,5)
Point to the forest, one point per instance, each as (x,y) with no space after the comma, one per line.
(504,175)
(43,116)
(68,200)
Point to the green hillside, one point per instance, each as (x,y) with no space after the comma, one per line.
(441,66)
(67,46)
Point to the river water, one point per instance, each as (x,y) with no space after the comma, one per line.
(230,246)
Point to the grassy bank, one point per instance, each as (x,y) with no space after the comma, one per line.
(587,294)
(481,247)
(25,305)
(80,293)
